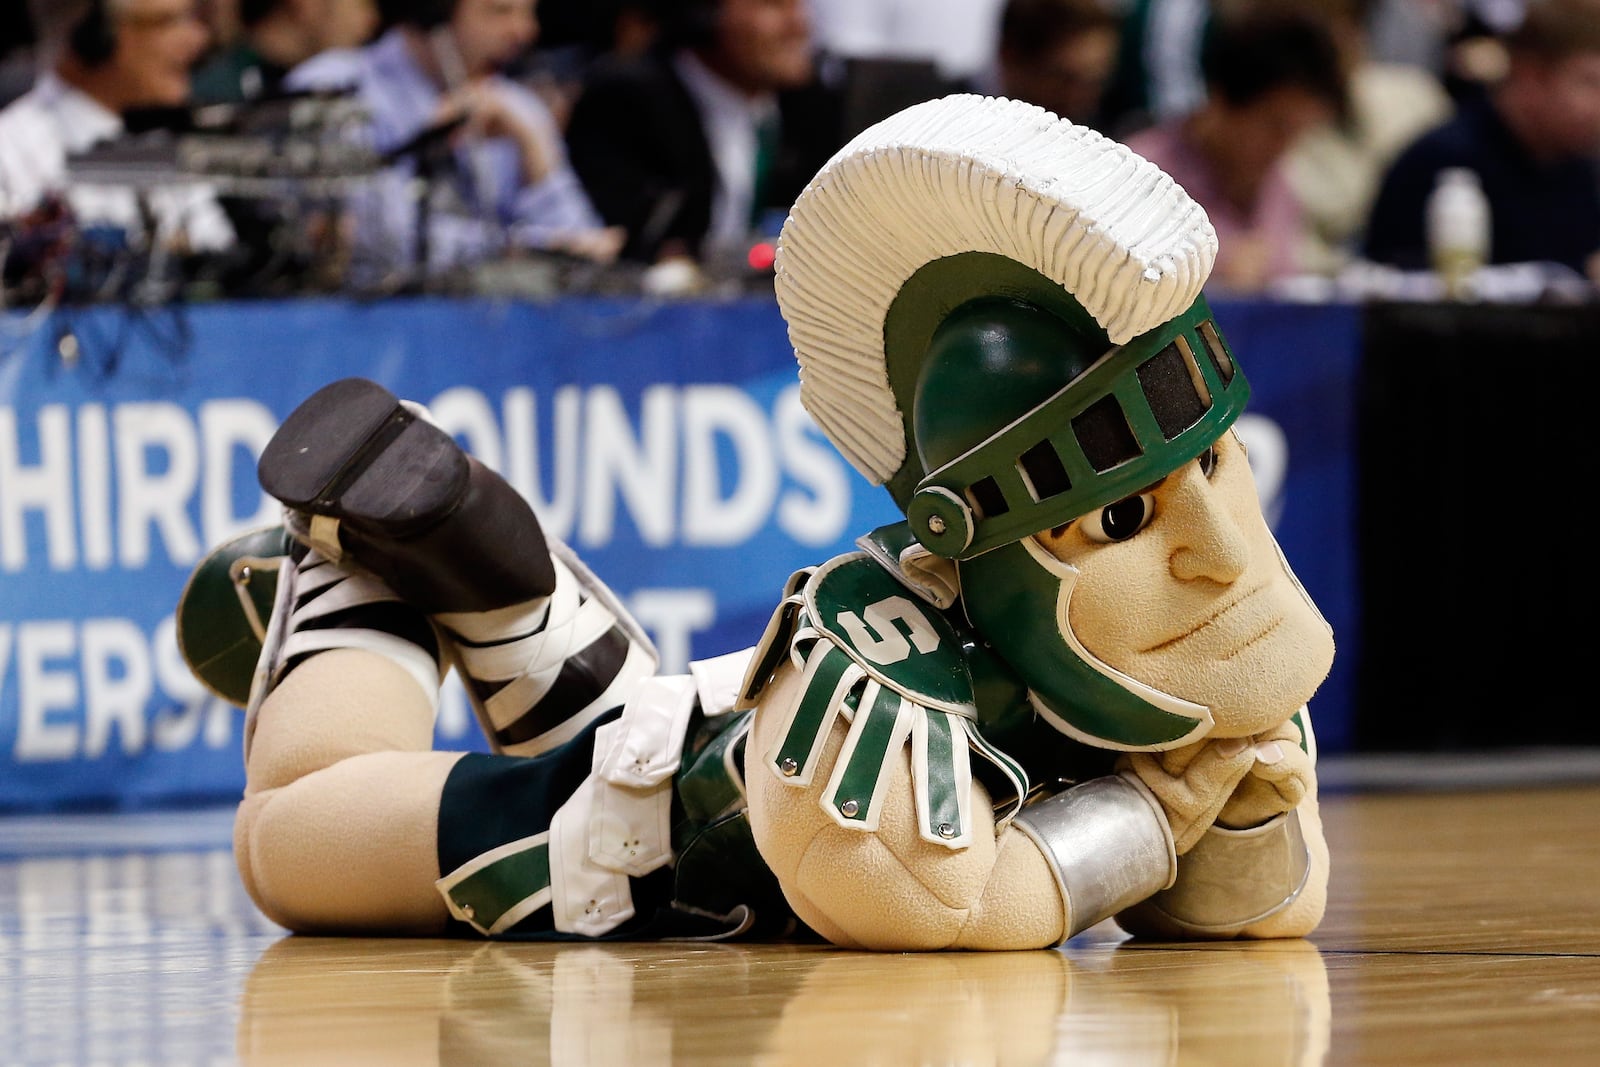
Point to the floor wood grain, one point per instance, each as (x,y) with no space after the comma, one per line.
(1463,928)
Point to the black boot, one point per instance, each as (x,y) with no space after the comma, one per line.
(399,497)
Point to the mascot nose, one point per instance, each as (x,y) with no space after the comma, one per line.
(1208,542)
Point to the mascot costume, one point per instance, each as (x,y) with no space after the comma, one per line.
(1071,685)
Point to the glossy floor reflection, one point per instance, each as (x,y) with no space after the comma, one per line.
(1464,927)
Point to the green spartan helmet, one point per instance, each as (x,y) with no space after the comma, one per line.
(1018,408)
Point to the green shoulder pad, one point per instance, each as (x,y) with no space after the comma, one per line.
(898,639)
(874,655)
(224,609)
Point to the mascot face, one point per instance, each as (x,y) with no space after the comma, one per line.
(1183,587)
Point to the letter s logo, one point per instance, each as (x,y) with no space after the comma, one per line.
(878,638)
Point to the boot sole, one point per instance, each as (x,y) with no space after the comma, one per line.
(353,452)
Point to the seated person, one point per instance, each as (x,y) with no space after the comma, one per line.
(671,145)
(1271,76)
(276,36)
(1534,141)
(497,177)
(1058,54)
(1334,170)
(104,58)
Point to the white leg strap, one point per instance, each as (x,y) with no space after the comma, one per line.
(619,822)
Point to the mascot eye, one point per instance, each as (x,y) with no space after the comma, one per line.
(1119,521)
(1207,461)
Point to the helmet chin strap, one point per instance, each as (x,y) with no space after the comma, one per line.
(1149,693)
(1146,719)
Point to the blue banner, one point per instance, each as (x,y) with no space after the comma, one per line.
(665,442)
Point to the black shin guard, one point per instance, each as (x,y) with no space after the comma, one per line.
(445,532)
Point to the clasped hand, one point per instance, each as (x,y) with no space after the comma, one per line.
(1235,781)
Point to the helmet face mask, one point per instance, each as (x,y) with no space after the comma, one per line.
(1025,416)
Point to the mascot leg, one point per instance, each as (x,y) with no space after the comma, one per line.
(543,646)
(413,557)
(337,828)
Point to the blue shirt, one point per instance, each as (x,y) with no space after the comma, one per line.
(480,205)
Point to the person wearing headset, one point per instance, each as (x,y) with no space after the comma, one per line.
(102,58)
(488,149)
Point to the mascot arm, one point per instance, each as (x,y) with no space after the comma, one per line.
(1054,870)
(1261,870)
(887,888)
(863,804)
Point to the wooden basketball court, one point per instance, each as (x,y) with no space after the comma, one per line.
(1463,928)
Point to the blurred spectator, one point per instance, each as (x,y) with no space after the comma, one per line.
(1534,141)
(573,34)
(958,36)
(493,173)
(1057,54)
(103,58)
(692,144)
(1334,169)
(1271,75)
(1475,56)
(17,61)
(1157,74)
(275,36)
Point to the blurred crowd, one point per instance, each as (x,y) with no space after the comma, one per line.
(250,147)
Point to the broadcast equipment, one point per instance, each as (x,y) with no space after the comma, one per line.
(281,167)
(300,144)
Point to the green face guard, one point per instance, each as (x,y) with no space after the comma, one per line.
(1135,414)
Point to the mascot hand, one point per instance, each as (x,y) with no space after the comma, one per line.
(1193,783)
(1278,781)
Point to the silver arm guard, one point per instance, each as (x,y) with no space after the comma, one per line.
(1109,844)
(1232,878)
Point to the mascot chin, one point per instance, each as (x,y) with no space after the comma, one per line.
(1071,685)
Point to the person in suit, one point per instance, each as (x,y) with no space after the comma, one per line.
(692,145)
